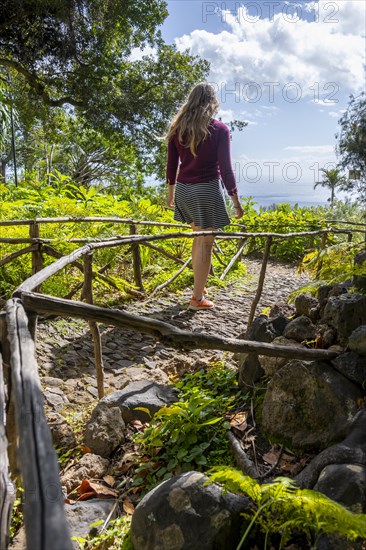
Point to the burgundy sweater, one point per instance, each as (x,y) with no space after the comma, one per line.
(212,160)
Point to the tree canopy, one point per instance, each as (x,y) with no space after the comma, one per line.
(79,56)
(352,145)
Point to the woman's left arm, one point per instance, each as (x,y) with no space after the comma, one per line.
(171,171)
(224,160)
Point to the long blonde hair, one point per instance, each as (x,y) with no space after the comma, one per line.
(190,124)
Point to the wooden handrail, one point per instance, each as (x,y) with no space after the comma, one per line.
(126,221)
(44,515)
(92,219)
(169,334)
(7,489)
(32,282)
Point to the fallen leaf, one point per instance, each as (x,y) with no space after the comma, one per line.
(289,468)
(125,467)
(137,424)
(288,458)
(102,491)
(270,458)
(239,422)
(84,487)
(87,496)
(128,507)
(110,480)
(89,489)
(85,450)
(319,342)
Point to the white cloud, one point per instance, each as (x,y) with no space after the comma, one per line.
(322,55)
(334,114)
(322,102)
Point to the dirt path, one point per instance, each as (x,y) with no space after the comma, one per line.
(64,347)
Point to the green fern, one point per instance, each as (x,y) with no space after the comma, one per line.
(284,509)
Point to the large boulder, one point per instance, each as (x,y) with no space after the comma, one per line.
(300,329)
(345,313)
(82,516)
(104,431)
(357,341)
(263,329)
(250,371)
(141,395)
(185,514)
(305,304)
(323,294)
(352,366)
(346,484)
(271,364)
(308,405)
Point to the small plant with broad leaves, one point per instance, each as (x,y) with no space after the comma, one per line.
(115,537)
(190,434)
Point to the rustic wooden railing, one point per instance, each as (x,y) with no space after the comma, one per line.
(37,246)
(25,442)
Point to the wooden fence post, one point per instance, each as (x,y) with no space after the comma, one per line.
(262,275)
(87,294)
(37,260)
(136,259)
(235,258)
(323,245)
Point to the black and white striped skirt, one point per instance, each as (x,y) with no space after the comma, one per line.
(201,204)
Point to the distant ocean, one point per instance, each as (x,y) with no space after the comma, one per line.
(265,193)
(303,194)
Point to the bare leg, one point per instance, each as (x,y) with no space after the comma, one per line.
(201,260)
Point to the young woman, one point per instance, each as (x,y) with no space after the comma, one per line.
(202,145)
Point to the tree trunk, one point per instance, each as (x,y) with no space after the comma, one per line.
(3,171)
(332,197)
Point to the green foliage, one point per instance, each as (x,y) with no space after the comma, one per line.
(108,62)
(333,264)
(341,211)
(331,179)
(115,537)
(283,509)
(190,434)
(60,197)
(284,219)
(352,145)
(17,513)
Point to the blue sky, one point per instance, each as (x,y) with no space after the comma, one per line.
(287,68)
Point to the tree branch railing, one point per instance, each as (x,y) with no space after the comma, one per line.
(43,508)
(45,521)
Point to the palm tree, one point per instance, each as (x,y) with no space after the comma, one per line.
(331,179)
